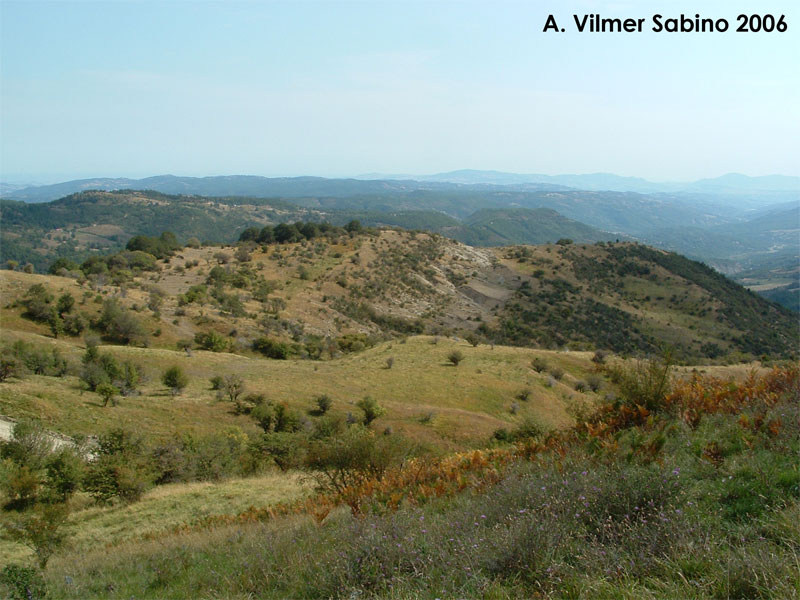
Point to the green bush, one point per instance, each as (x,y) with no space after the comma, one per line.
(213,341)
(175,379)
(120,471)
(22,583)
(324,403)
(271,348)
(340,461)
(372,410)
(455,357)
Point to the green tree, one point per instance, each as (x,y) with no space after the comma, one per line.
(108,392)
(65,303)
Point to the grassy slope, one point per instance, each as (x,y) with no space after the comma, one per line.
(712,512)
(164,508)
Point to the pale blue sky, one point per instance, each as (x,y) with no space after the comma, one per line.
(343,88)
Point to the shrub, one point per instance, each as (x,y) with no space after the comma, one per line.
(372,410)
(38,303)
(23,583)
(233,386)
(595,382)
(74,324)
(344,460)
(9,367)
(523,395)
(283,448)
(120,471)
(213,341)
(580,385)
(65,303)
(389,362)
(646,383)
(40,529)
(557,373)
(455,357)
(539,364)
(64,470)
(108,392)
(175,379)
(271,348)
(328,426)
(472,339)
(324,403)
(119,324)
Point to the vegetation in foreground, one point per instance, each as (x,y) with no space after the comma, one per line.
(696,496)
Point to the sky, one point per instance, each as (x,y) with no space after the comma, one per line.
(133,89)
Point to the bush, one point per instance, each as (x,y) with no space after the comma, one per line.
(9,367)
(40,529)
(372,410)
(594,382)
(38,303)
(120,471)
(324,403)
(472,339)
(120,325)
(580,385)
(539,364)
(233,386)
(22,583)
(175,379)
(108,392)
(524,395)
(213,341)
(646,383)
(271,348)
(283,448)
(340,461)
(455,357)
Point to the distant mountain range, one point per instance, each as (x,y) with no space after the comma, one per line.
(768,189)
(732,183)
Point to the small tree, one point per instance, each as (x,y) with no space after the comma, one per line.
(175,379)
(65,303)
(108,392)
(233,386)
(372,410)
(455,357)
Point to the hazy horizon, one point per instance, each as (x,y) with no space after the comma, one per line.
(342,89)
(44,181)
